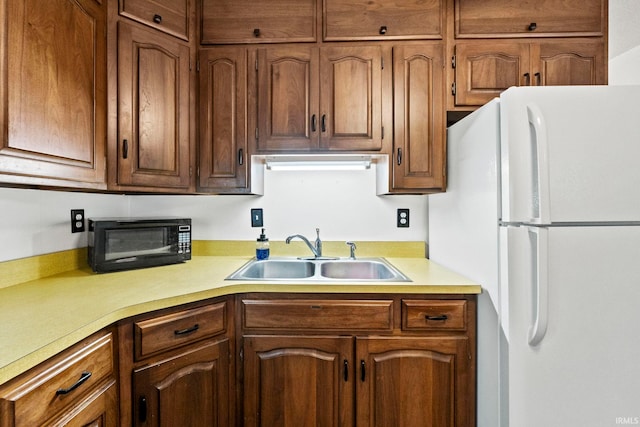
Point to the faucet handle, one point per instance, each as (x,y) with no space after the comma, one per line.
(352,249)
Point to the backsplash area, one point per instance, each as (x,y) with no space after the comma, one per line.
(343,204)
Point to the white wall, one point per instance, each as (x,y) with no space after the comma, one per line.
(342,204)
(624,42)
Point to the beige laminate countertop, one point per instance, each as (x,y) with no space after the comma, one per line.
(42,317)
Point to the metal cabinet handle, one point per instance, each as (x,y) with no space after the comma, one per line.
(157,19)
(187,330)
(125,148)
(527,79)
(142,409)
(383,30)
(241,157)
(313,123)
(323,123)
(399,156)
(537,76)
(362,370)
(440,318)
(83,378)
(532,26)
(346,370)
(256,32)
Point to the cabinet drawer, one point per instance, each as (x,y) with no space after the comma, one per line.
(506,18)
(422,315)
(312,314)
(62,382)
(264,21)
(177,329)
(170,16)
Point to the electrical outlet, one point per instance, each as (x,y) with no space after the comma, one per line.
(77,220)
(256,218)
(403,218)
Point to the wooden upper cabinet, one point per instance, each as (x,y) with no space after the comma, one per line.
(351,98)
(264,21)
(419,143)
(483,70)
(312,99)
(223,156)
(540,18)
(53,93)
(288,99)
(170,16)
(380,19)
(153,110)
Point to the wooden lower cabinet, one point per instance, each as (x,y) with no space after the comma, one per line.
(78,387)
(420,373)
(190,389)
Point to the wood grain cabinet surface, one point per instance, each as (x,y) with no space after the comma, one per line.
(154,145)
(169,16)
(76,387)
(176,366)
(250,21)
(320,99)
(418,370)
(53,107)
(383,20)
(483,70)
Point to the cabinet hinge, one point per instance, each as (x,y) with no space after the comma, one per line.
(453,61)
(453,88)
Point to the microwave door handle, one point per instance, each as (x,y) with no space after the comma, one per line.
(541,194)
(540,285)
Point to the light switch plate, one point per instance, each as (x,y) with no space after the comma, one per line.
(256,218)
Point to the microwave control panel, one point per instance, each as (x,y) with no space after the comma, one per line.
(184,240)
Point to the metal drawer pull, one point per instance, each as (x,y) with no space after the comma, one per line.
(362,370)
(187,331)
(83,378)
(383,30)
(533,26)
(441,317)
(346,370)
(157,19)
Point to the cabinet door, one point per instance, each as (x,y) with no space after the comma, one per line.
(298,380)
(288,99)
(53,93)
(418,160)
(570,62)
(264,21)
(506,18)
(379,19)
(223,155)
(153,109)
(415,382)
(351,98)
(189,389)
(484,69)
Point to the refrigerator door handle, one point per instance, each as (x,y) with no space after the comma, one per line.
(540,284)
(541,198)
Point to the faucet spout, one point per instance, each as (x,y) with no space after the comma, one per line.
(316,247)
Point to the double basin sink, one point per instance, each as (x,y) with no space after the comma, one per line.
(320,270)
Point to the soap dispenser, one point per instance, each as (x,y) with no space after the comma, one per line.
(262,246)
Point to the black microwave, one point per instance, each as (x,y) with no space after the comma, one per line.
(117,244)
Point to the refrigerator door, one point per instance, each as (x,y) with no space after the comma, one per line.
(570,154)
(574,323)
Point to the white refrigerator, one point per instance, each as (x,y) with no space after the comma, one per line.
(543,209)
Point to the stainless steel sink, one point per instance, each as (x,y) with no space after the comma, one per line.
(275,269)
(320,270)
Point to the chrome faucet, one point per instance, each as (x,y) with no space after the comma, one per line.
(316,248)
